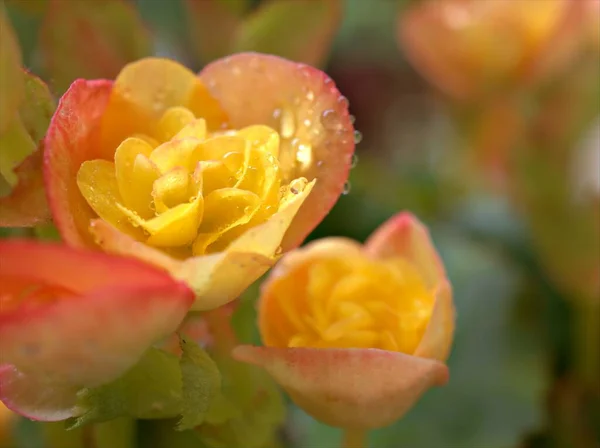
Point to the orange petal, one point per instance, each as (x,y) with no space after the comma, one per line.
(112,311)
(310,113)
(348,388)
(26,205)
(144,90)
(403,235)
(72,139)
(36,397)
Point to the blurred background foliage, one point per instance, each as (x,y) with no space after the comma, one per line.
(480,116)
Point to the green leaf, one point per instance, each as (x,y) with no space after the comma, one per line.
(212,26)
(300,30)
(151,389)
(201,384)
(160,385)
(28,126)
(254,403)
(90,39)
(11,80)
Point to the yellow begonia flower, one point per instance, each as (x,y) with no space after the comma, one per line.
(355,334)
(203,176)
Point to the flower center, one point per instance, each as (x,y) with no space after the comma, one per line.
(184,190)
(353,302)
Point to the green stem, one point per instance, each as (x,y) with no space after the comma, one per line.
(587,341)
(354,438)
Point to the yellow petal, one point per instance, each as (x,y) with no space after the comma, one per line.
(135,177)
(261,136)
(177,226)
(173,120)
(175,153)
(171,189)
(196,129)
(215,175)
(97,182)
(151,141)
(224,209)
(218,279)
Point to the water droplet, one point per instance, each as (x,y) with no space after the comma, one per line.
(343,102)
(357,137)
(304,153)
(288,125)
(354,160)
(310,95)
(277,113)
(320,163)
(279,250)
(298,185)
(352,118)
(307,123)
(330,120)
(269,209)
(346,189)
(247,209)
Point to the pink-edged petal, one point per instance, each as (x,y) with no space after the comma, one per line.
(36,398)
(26,205)
(303,104)
(115,308)
(72,138)
(439,334)
(403,235)
(348,388)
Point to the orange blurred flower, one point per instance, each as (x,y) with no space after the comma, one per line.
(469,48)
(72,318)
(207,177)
(355,334)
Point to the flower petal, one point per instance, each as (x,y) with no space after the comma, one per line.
(144,90)
(35,398)
(317,139)
(439,334)
(72,139)
(219,278)
(348,388)
(117,308)
(26,205)
(405,236)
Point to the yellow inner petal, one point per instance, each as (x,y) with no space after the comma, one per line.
(184,189)
(352,302)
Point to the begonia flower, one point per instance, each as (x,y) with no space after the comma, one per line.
(73,318)
(210,176)
(356,334)
(470,48)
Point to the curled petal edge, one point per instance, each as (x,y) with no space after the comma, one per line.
(348,388)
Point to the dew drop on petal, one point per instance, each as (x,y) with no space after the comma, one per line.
(298,185)
(288,125)
(279,250)
(354,161)
(352,118)
(346,189)
(343,102)
(357,137)
(330,120)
